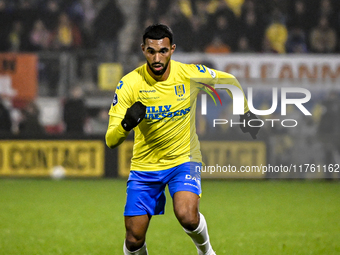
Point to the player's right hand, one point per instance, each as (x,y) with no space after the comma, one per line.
(253,130)
(134,115)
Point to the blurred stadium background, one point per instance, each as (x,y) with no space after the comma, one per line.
(60,62)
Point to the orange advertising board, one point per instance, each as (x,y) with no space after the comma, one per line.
(19,75)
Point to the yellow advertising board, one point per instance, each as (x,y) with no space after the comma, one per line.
(233,159)
(124,158)
(222,159)
(109,75)
(79,158)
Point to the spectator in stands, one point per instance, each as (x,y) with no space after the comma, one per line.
(196,41)
(107,25)
(267,47)
(75,11)
(2,5)
(16,37)
(26,4)
(50,13)
(75,112)
(39,37)
(296,42)
(226,31)
(181,26)
(252,28)
(277,34)
(267,7)
(85,13)
(191,21)
(235,6)
(203,18)
(326,10)
(300,17)
(5,20)
(323,38)
(89,14)
(67,34)
(30,123)
(153,10)
(201,11)
(186,7)
(5,119)
(217,46)
(243,45)
(98,124)
(244,17)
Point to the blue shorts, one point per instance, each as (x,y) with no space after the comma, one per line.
(146,189)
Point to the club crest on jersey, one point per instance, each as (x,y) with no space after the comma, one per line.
(180,90)
(115,99)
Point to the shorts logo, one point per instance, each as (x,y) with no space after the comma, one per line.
(115,99)
(120,85)
(193,178)
(201,68)
(179,90)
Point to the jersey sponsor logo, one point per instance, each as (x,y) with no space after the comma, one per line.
(115,99)
(148,98)
(164,111)
(147,91)
(201,68)
(212,73)
(120,85)
(158,109)
(179,90)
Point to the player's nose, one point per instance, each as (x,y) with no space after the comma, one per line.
(157,58)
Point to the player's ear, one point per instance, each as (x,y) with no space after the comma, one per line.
(173,47)
(142,46)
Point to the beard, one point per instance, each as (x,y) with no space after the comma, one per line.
(160,72)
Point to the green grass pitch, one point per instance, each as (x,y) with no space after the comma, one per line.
(244,217)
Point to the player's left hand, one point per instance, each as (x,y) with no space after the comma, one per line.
(249,129)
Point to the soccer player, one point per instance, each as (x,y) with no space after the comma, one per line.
(154,100)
